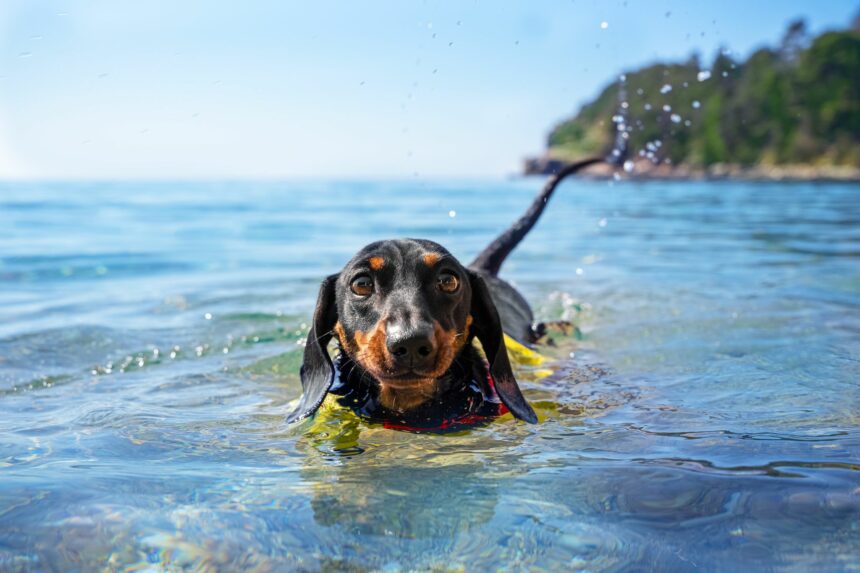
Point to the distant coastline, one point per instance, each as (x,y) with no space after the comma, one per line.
(787,113)
(644,169)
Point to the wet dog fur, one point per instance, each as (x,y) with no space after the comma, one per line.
(405,312)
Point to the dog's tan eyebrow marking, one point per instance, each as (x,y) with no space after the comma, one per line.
(376,263)
(431,259)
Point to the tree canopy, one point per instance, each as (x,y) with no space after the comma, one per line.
(798,103)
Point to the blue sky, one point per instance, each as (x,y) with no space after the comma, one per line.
(114,89)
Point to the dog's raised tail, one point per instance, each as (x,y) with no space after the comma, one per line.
(490,260)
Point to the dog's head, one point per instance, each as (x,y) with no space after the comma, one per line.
(403,310)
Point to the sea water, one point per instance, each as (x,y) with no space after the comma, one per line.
(703,415)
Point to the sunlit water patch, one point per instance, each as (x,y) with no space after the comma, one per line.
(703,414)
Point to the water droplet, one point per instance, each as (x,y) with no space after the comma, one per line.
(696,104)
(604,25)
(452,213)
(628,167)
(208,316)
(647,107)
(725,74)
(622,78)
(688,123)
(579,271)
(703,75)
(675,118)
(665,89)
(602,222)
(667,108)
(616,177)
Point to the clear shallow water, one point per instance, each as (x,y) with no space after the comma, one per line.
(708,419)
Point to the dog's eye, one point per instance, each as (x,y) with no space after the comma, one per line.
(448,282)
(362,286)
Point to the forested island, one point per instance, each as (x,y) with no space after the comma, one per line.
(786,112)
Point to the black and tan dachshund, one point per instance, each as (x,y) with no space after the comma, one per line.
(404,313)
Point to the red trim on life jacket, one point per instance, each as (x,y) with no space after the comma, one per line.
(464,420)
(492,383)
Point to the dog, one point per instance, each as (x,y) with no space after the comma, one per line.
(404,314)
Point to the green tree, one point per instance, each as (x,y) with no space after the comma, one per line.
(799,103)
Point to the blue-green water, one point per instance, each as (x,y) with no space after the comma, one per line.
(709,417)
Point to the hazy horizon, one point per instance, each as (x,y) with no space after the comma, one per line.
(109,91)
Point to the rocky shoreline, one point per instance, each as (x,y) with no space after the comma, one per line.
(644,169)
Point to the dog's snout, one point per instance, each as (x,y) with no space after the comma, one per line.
(419,346)
(414,349)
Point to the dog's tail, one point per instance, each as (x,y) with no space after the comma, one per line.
(490,260)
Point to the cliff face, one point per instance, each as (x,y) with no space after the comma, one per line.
(795,105)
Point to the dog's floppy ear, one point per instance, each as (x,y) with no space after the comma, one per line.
(317,370)
(487,327)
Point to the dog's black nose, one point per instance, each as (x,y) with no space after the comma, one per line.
(414,350)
